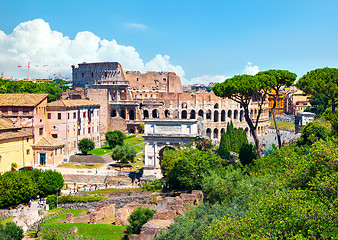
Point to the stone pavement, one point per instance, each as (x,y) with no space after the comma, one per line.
(27,216)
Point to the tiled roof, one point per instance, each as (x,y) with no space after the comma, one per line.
(21,99)
(5,124)
(13,133)
(73,103)
(48,141)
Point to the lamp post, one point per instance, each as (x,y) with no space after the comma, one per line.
(57,195)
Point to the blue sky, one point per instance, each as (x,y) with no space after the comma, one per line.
(202,38)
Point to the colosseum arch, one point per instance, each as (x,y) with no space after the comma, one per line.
(167,113)
(216,106)
(216,116)
(113,113)
(192,114)
(235,115)
(208,114)
(223,116)
(155,113)
(241,115)
(208,133)
(145,114)
(123,114)
(131,114)
(184,114)
(229,114)
(222,130)
(216,133)
(201,114)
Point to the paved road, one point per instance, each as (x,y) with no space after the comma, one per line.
(270,138)
(27,216)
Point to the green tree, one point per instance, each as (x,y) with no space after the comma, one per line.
(242,89)
(51,201)
(312,132)
(274,81)
(124,154)
(139,217)
(319,103)
(115,138)
(11,232)
(321,80)
(247,153)
(85,145)
(49,182)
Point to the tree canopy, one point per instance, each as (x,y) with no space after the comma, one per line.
(123,154)
(115,138)
(85,145)
(321,80)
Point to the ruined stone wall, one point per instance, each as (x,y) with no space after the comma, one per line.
(100,96)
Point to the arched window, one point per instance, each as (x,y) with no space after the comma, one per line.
(166,113)
(235,114)
(184,114)
(216,106)
(216,133)
(155,114)
(145,114)
(192,114)
(229,114)
(113,113)
(241,115)
(201,113)
(123,114)
(208,115)
(222,131)
(208,132)
(131,115)
(223,116)
(216,116)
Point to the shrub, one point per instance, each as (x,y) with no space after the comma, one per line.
(51,201)
(85,145)
(247,153)
(156,184)
(313,132)
(139,217)
(123,154)
(14,166)
(11,232)
(64,199)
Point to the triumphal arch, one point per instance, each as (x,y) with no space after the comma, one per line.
(162,133)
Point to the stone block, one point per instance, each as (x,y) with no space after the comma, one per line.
(69,218)
(73,230)
(169,215)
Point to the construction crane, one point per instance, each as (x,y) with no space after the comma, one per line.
(28,66)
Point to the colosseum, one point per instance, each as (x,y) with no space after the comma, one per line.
(129,97)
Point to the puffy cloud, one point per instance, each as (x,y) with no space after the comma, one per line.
(205,79)
(35,42)
(250,69)
(137,25)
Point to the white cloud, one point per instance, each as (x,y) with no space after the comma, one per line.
(35,42)
(205,79)
(137,25)
(250,69)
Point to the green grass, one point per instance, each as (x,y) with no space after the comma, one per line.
(96,231)
(79,165)
(3,221)
(282,125)
(134,141)
(100,151)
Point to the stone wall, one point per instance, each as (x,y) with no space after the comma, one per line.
(103,210)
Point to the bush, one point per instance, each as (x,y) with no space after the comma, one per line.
(123,154)
(70,199)
(137,218)
(51,201)
(85,145)
(313,132)
(115,138)
(156,184)
(11,232)
(247,153)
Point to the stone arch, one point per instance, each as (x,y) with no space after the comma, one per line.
(145,114)
(113,113)
(208,114)
(216,106)
(160,153)
(201,113)
(131,114)
(208,133)
(251,112)
(123,114)
(223,116)
(155,113)
(229,114)
(216,116)
(192,114)
(241,115)
(235,114)
(184,114)
(222,130)
(167,113)
(216,133)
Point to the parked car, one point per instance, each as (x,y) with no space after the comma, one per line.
(26,168)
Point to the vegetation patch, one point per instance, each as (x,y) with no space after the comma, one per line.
(282,125)
(70,199)
(81,165)
(114,190)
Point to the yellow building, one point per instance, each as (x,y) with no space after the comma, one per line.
(15,146)
(279,110)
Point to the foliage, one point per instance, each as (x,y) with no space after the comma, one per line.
(14,166)
(11,232)
(184,169)
(202,144)
(85,145)
(52,201)
(194,223)
(19,187)
(53,89)
(231,141)
(156,184)
(115,138)
(123,154)
(312,132)
(321,81)
(319,103)
(139,217)
(247,153)
(69,199)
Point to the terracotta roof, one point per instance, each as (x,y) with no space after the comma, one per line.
(73,103)
(48,141)
(13,133)
(5,124)
(21,99)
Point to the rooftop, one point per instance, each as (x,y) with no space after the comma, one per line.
(22,99)
(71,103)
(48,141)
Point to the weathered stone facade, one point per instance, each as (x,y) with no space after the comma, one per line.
(128,98)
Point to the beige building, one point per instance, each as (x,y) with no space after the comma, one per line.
(15,146)
(71,120)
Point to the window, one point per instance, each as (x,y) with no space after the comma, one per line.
(68,115)
(136,79)
(27,139)
(40,131)
(84,131)
(82,74)
(59,116)
(54,136)
(74,115)
(49,116)
(60,150)
(56,152)
(92,74)
(27,151)
(88,129)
